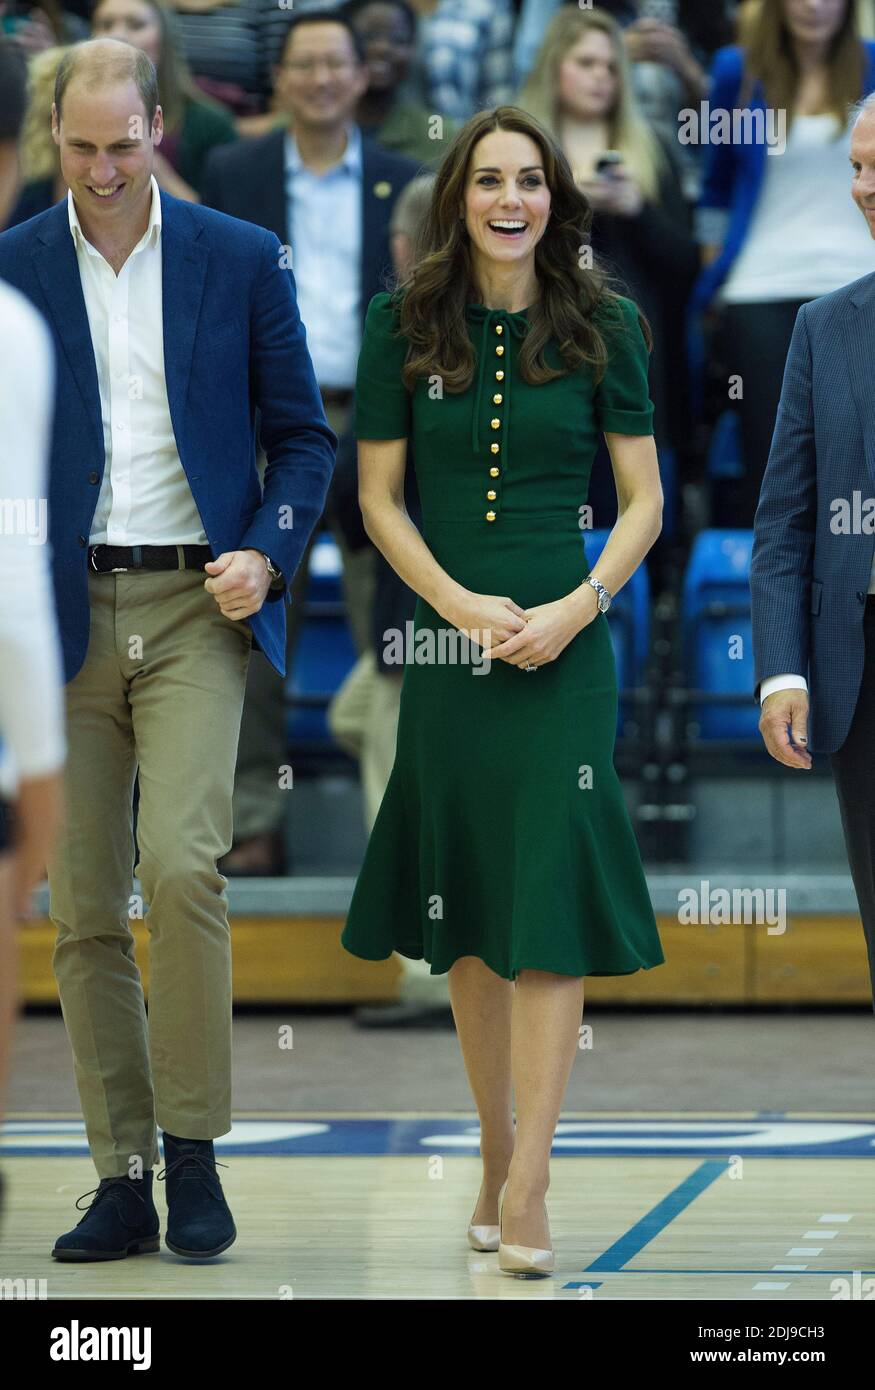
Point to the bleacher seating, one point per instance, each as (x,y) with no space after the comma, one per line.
(324,654)
(716,627)
(629,623)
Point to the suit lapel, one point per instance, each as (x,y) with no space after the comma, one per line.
(377,193)
(58,272)
(369,229)
(859,334)
(183,267)
(272,182)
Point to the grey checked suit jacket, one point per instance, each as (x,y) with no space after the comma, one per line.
(808,581)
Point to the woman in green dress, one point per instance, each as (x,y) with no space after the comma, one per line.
(502,852)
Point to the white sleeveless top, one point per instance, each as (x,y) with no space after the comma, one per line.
(806,236)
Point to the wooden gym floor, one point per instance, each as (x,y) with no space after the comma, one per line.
(691,1206)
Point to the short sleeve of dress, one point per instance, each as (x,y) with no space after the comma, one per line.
(622,400)
(382,401)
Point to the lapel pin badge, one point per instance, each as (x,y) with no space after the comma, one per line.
(382,189)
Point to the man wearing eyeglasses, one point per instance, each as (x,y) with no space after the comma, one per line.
(328,192)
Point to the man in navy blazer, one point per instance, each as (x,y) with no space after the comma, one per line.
(813,564)
(328,193)
(248,177)
(172,325)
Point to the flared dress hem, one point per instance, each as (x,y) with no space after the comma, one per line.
(515,969)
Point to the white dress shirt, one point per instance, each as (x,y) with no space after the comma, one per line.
(788,682)
(144,497)
(32,738)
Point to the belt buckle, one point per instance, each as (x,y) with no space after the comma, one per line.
(118,569)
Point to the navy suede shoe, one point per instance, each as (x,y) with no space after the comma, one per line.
(199,1221)
(121,1221)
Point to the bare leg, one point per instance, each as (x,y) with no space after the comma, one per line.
(481,1002)
(547,1011)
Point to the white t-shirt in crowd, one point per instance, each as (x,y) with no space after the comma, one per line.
(807,236)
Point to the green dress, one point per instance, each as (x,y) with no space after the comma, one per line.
(493,839)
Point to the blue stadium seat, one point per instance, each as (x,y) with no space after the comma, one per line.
(716,624)
(324,575)
(668,477)
(324,653)
(628,620)
(724,451)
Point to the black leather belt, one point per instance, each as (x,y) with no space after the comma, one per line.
(114,559)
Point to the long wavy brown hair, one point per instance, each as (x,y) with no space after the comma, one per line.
(576,303)
(769,57)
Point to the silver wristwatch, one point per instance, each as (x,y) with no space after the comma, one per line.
(603,596)
(275,574)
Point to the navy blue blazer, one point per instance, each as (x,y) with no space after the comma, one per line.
(233,342)
(247,179)
(808,580)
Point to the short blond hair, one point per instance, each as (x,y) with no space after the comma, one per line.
(104,61)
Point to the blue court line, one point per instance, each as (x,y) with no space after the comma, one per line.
(760,1273)
(660,1216)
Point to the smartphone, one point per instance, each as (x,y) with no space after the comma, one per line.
(607,164)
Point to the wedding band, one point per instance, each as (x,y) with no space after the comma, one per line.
(529,667)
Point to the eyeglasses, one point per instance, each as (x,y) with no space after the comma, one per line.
(305,66)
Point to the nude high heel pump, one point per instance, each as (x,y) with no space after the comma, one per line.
(483,1237)
(524,1261)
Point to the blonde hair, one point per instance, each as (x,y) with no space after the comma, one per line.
(769,58)
(39,153)
(629,133)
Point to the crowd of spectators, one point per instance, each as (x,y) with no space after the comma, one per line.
(325,122)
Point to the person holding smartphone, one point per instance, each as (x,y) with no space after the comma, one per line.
(581,88)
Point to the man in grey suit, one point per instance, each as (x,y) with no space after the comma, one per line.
(812,573)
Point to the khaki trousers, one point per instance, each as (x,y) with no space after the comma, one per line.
(363,718)
(259,805)
(161,690)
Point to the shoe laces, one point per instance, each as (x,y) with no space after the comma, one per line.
(108,1187)
(206,1166)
